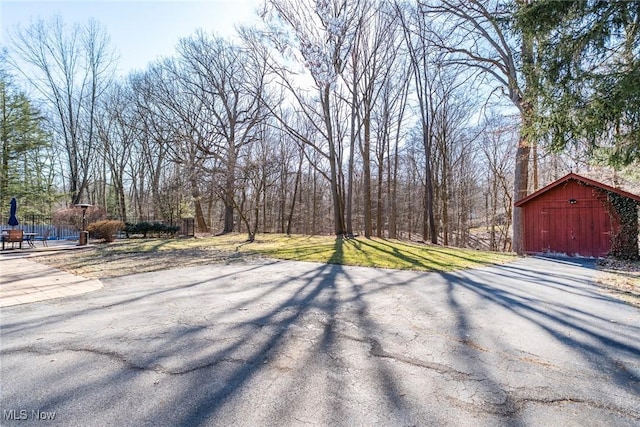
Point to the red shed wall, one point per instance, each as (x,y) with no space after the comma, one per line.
(553,224)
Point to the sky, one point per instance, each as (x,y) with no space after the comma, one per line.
(141,31)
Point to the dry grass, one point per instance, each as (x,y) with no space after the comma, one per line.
(620,279)
(143,255)
(126,257)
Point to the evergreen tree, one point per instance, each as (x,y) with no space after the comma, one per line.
(590,69)
(24,166)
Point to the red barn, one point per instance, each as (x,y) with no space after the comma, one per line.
(573,216)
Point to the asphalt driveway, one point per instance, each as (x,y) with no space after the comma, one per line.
(284,343)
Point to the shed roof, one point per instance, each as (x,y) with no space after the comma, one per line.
(576,177)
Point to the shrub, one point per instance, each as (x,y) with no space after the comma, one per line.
(172,229)
(148,228)
(139,228)
(105,230)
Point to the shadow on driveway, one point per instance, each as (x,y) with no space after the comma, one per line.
(531,342)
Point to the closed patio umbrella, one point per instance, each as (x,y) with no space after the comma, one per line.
(13,220)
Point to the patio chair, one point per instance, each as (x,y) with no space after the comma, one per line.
(15,236)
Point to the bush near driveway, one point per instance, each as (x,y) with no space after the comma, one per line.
(105,230)
(150,228)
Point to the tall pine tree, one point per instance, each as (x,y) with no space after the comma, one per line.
(24,170)
(589,89)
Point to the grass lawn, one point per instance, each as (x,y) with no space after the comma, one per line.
(383,253)
(138,255)
(130,256)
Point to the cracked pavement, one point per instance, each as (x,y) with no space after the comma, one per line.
(264,342)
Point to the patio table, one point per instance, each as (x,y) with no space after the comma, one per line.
(29,238)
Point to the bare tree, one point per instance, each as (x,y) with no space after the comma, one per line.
(230,83)
(150,157)
(477,35)
(372,58)
(117,140)
(323,37)
(451,141)
(391,116)
(176,120)
(421,52)
(259,173)
(497,148)
(71,67)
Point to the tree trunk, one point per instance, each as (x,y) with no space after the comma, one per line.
(201,224)
(379,197)
(314,201)
(523,153)
(256,211)
(393,219)
(445,201)
(229,193)
(283,196)
(521,184)
(534,165)
(122,201)
(295,194)
(429,224)
(366,172)
(338,206)
(352,144)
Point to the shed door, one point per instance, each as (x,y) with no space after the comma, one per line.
(581,229)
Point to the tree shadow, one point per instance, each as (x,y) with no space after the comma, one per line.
(337,257)
(298,332)
(586,333)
